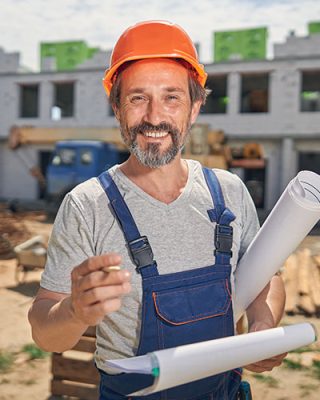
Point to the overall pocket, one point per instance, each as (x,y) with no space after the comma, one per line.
(193,313)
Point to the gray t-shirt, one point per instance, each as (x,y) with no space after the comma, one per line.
(180,234)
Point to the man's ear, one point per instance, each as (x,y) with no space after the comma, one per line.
(195,109)
(116,111)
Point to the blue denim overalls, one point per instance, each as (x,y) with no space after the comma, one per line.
(179,308)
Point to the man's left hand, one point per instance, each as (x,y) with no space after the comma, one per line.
(270,363)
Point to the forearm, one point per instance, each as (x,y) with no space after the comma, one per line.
(268,307)
(54,325)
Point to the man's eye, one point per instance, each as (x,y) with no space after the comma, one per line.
(136,99)
(172,97)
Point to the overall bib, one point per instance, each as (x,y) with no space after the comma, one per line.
(179,308)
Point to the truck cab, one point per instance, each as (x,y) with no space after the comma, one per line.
(75,161)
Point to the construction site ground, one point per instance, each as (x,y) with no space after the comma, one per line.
(299,377)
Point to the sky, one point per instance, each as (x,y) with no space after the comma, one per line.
(26,23)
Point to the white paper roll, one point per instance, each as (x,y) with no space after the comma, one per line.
(291,219)
(200,360)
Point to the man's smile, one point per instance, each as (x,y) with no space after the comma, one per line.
(155,134)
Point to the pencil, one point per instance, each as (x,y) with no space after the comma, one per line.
(112,268)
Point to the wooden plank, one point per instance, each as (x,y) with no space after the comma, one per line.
(29,258)
(74,370)
(290,277)
(86,344)
(198,157)
(247,163)
(306,305)
(43,135)
(304,259)
(199,139)
(74,389)
(216,161)
(315,284)
(91,331)
(214,137)
(317,259)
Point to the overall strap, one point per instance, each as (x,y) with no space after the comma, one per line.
(223,235)
(139,246)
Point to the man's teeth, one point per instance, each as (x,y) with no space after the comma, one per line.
(155,134)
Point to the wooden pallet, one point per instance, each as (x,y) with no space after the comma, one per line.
(74,373)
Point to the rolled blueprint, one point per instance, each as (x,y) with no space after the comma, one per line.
(291,219)
(191,362)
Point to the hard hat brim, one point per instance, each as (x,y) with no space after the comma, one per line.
(109,73)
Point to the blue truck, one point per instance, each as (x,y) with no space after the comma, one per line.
(75,161)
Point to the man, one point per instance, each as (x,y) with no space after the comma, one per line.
(176,229)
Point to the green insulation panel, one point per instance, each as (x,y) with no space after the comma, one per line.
(67,54)
(245,44)
(314,27)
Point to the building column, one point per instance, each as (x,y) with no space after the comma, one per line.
(233,90)
(46,101)
(288,162)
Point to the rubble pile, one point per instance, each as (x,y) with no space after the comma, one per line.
(12,232)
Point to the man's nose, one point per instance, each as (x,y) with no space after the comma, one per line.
(155,112)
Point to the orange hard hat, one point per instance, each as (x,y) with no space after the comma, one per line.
(153,39)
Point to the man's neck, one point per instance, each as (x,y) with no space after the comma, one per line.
(165,183)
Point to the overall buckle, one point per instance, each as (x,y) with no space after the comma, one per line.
(141,252)
(223,237)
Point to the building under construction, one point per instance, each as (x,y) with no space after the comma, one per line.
(269,107)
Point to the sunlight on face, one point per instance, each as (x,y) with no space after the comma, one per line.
(155,110)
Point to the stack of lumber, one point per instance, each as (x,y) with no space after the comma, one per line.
(207,146)
(301,275)
(73,372)
(210,149)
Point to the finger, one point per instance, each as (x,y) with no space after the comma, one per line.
(95,263)
(95,313)
(264,365)
(101,278)
(254,368)
(101,294)
(274,359)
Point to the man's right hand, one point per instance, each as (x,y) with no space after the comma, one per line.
(95,292)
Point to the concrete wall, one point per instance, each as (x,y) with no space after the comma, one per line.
(298,47)
(92,109)
(282,131)
(15,179)
(91,106)
(284,117)
(9,62)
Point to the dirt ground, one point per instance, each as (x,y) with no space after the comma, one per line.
(30,379)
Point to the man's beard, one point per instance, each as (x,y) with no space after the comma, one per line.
(152,156)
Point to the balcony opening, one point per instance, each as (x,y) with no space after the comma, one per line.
(64,98)
(217,101)
(254,93)
(29,101)
(309,161)
(310,91)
